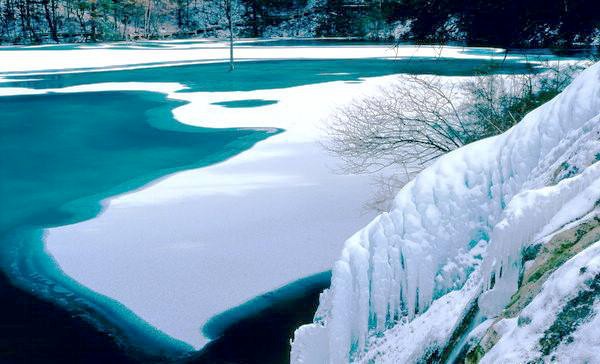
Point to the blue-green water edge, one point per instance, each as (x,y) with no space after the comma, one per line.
(65,152)
(263,75)
(61,154)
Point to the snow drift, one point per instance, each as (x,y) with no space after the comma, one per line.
(454,239)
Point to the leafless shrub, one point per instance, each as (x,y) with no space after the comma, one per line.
(420,118)
(495,103)
(410,123)
(387,187)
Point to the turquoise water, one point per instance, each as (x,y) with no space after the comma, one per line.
(245,103)
(263,75)
(60,149)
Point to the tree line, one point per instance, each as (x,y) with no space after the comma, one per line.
(504,23)
(42,21)
(509,23)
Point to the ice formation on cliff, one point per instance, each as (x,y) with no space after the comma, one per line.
(456,233)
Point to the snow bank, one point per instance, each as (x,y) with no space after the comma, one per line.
(475,206)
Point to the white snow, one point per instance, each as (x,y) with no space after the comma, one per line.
(96,56)
(162,87)
(549,208)
(490,197)
(586,342)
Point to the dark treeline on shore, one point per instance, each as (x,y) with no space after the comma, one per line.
(508,23)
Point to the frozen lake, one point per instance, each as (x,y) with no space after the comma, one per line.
(243,199)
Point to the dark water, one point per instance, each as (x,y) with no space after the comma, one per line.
(245,103)
(36,331)
(61,154)
(259,331)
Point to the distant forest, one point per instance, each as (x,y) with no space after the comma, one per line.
(506,23)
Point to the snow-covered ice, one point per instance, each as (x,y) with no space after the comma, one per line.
(202,241)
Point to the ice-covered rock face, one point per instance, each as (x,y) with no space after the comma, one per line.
(473,210)
(560,323)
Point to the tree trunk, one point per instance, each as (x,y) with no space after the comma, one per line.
(81,18)
(230,23)
(50,20)
(180,15)
(29,15)
(93,19)
(147,19)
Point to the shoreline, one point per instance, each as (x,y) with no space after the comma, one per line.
(96,57)
(253,40)
(218,325)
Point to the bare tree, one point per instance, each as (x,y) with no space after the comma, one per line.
(50,14)
(420,118)
(494,103)
(231,9)
(409,124)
